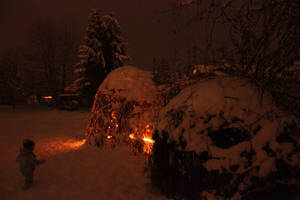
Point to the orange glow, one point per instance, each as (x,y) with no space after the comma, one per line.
(131,136)
(60,146)
(115,114)
(75,144)
(147,133)
(47,97)
(147,148)
(138,131)
(148,140)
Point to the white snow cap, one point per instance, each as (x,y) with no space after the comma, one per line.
(136,84)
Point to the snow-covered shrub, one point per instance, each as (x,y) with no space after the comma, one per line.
(179,80)
(169,90)
(125,105)
(220,138)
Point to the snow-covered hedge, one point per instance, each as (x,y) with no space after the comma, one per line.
(125,103)
(221,138)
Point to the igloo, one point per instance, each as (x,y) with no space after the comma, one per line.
(222,139)
(124,109)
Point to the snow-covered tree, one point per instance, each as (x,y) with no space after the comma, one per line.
(103,50)
(91,59)
(113,43)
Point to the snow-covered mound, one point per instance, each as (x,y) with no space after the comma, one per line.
(135,83)
(225,137)
(125,104)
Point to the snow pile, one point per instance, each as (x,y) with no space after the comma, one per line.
(126,103)
(230,135)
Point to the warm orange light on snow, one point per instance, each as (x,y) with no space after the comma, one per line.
(60,146)
(75,144)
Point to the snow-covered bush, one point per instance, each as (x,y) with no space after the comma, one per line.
(168,91)
(125,105)
(178,80)
(220,138)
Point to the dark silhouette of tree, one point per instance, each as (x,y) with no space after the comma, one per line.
(11,77)
(260,41)
(44,40)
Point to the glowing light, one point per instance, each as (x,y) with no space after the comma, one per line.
(194,71)
(109,137)
(75,144)
(147,148)
(148,140)
(60,146)
(47,97)
(114,114)
(117,125)
(131,136)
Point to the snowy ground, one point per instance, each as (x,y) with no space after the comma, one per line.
(72,171)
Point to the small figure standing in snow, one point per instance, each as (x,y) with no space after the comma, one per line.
(28,161)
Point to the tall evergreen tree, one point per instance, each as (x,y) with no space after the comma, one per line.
(113,43)
(103,50)
(91,59)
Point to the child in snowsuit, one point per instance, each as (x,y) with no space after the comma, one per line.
(28,161)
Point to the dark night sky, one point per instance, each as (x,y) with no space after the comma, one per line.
(146,37)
